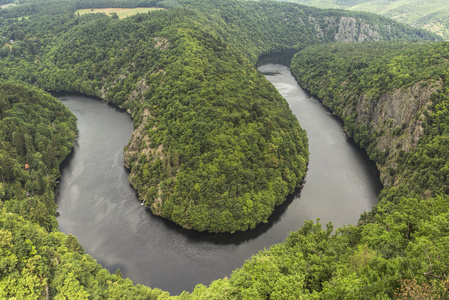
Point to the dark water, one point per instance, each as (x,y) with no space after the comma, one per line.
(97,204)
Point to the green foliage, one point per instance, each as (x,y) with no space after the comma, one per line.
(219,147)
(37,133)
(215,146)
(45,265)
(429,15)
(240,149)
(344,76)
(403,236)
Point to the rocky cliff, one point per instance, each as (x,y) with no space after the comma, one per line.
(381,91)
(348,29)
(395,121)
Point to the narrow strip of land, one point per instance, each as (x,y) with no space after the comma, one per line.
(121,12)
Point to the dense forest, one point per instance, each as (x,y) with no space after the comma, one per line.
(358,81)
(215,147)
(37,133)
(429,15)
(210,151)
(408,143)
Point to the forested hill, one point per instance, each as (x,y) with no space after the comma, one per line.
(393,98)
(36,260)
(215,147)
(429,15)
(37,133)
(258,28)
(387,95)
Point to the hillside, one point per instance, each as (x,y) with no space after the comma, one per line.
(37,133)
(215,147)
(116,12)
(387,95)
(393,100)
(429,15)
(210,151)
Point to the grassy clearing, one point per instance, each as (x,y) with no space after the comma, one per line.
(7,5)
(121,12)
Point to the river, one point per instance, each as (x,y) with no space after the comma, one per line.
(98,205)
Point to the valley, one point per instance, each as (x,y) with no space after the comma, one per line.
(215,148)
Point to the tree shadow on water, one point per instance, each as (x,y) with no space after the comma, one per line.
(281,58)
(238,237)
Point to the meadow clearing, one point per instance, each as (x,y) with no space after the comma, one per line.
(121,12)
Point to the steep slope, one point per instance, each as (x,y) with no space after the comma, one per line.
(393,100)
(53,266)
(429,15)
(215,148)
(167,69)
(392,95)
(37,133)
(385,102)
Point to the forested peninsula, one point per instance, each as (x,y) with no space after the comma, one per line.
(215,147)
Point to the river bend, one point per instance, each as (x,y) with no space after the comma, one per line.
(97,204)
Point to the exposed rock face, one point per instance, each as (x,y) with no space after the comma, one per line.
(143,152)
(396,119)
(346,29)
(138,138)
(369,33)
(397,108)
(138,92)
(161,43)
(139,146)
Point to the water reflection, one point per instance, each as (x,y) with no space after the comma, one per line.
(97,204)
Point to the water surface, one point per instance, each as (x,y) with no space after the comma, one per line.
(97,204)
